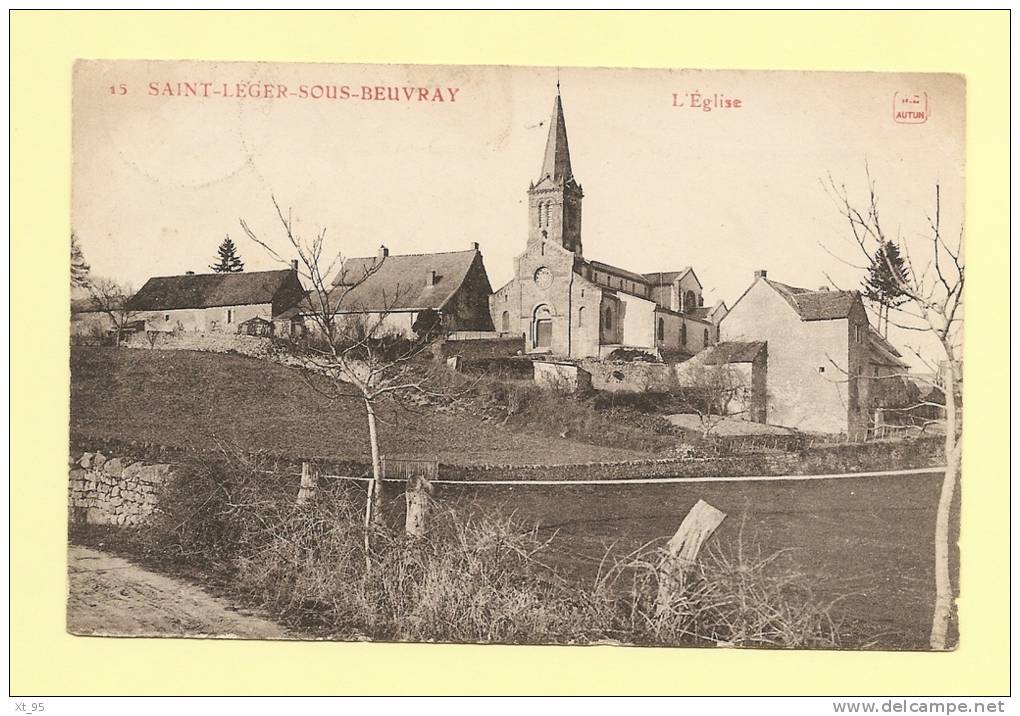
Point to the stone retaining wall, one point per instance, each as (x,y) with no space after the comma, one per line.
(251,346)
(636,377)
(117,491)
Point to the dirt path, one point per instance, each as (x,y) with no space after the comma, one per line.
(109,596)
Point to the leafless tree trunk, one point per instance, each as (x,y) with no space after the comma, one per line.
(943,580)
(359,357)
(933,288)
(374,503)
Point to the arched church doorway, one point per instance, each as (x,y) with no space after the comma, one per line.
(542,328)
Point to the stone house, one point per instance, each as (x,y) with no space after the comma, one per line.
(400,294)
(827,370)
(564,304)
(215,302)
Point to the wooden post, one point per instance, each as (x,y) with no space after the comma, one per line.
(417,496)
(682,551)
(309,484)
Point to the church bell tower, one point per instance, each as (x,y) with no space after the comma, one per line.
(554,201)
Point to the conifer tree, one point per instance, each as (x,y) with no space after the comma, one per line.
(79,266)
(886,275)
(227,259)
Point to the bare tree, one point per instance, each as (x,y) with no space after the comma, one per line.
(932,285)
(111,298)
(715,393)
(354,346)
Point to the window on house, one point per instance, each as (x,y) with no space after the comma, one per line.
(662,330)
(166,318)
(821,369)
(706,337)
(230,315)
(580,315)
(857,333)
(683,334)
(505,322)
(609,319)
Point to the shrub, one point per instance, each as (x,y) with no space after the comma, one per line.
(733,597)
(632,355)
(501,367)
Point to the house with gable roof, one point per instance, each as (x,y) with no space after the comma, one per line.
(399,294)
(215,302)
(827,369)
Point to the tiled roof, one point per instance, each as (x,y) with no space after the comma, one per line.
(85,305)
(617,271)
(884,350)
(734,352)
(665,278)
(208,290)
(398,283)
(817,305)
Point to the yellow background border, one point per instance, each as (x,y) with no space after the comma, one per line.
(45,660)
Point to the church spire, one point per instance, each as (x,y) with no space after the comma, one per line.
(554,201)
(556,164)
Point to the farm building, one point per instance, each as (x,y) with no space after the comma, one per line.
(827,369)
(567,305)
(215,302)
(403,293)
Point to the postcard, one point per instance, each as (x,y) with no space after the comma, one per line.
(516,355)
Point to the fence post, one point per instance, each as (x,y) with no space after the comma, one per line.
(682,551)
(309,484)
(417,496)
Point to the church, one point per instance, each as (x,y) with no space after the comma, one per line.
(567,305)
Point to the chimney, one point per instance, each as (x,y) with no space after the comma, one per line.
(293,264)
(761,273)
(189,273)
(474,246)
(383,252)
(430,278)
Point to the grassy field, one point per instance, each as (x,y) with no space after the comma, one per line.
(866,544)
(185,398)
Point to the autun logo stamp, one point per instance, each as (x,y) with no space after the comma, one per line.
(911,107)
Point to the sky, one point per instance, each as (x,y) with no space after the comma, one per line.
(163,170)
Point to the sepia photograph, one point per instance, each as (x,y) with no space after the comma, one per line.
(516,355)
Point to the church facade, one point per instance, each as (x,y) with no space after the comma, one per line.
(567,305)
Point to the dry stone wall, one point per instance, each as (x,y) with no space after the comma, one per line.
(636,377)
(117,491)
(251,346)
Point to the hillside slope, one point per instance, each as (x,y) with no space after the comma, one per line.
(185,398)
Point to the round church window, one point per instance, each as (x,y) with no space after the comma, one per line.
(543,277)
